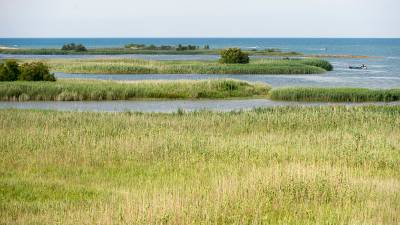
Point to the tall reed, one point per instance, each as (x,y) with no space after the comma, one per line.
(135,66)
(335,94)
(78,90)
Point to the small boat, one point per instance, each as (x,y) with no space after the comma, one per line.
(363,67)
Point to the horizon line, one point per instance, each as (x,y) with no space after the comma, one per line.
(210,37)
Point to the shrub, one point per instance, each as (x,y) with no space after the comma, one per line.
(74,47)
(35,71)
(234,55)
(9,71)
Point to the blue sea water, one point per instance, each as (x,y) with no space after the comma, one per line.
(356,46)
(383,66)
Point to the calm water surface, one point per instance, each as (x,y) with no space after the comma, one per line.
(168,106)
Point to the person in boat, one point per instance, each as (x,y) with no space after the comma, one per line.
(364,66)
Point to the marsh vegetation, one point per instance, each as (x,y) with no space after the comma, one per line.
(323,165)
(137,66)
(79,90)
(146,49)
(335,94)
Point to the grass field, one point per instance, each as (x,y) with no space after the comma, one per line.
(322,165)
(79,90)
(137,66)
(335,94)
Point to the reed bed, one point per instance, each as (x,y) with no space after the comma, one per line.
(78,90)
(136,66)
(335,94)
(291,165)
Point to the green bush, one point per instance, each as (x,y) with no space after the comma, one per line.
(234,55)
(9,71)
(35,71)
(74,47)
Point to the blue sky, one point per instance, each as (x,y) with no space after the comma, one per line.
(200,18)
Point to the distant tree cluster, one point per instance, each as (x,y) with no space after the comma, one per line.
(180,47)
(188,47)
(34,71)
(234,55)
(74,47)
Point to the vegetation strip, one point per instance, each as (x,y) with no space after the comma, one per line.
(81,90)
(75,90)
(149,51)
(335,94)
(267,166)
(136,66)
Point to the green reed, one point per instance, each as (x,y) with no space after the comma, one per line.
(78,90)
(335,94)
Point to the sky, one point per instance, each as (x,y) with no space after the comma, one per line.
(199,18)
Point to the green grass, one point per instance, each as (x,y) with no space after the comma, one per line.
(335,94)
(78,90)
(322,165)
(118,51)
(136,66)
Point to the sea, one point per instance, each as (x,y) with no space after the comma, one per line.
(383,62)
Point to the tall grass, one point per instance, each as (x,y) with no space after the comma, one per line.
(323,165)
(135,66)
(335,94)
(74,90)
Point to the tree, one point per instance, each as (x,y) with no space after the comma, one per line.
(36,71)
(9,71)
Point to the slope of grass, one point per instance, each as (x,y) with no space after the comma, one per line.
(136,66)
(75,90)
(323,165)
(335,94)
